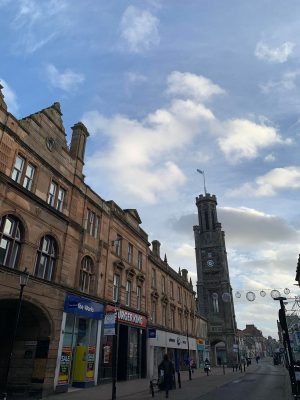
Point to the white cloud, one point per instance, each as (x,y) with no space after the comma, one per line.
(139,29)
(148,147)
(151,146)
(269,184)
(10,97)
(186,250)
(270,158)
(287,82)
(243,139)
(277,55)
(39,23)
(192,86)
(67,80)
(134,77)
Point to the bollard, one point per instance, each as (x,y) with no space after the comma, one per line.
(178,380)
(151,388)
(223,369)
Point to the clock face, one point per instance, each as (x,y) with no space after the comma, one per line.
(210,263)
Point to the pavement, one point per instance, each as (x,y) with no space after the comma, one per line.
(139,389)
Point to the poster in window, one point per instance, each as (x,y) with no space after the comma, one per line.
(106,354)
(90,368)
(64,368)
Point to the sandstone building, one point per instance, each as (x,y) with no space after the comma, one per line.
(87,258)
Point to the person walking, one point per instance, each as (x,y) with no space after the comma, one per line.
(243,364)
(207,366)
(167,370)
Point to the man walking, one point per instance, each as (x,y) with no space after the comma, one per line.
(166,369)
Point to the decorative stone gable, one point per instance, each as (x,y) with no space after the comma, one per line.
(2,102)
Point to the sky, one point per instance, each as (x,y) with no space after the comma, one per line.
(166,87)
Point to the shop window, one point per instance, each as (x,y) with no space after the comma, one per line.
(23,172)
(10,241)
(92,223)
(86,274)
(133,359)
(128,293)
(116,288)
(56,196)
(140,260)
(138,297)
(46,258)
(130,253)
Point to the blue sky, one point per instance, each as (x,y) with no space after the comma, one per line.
(166,87)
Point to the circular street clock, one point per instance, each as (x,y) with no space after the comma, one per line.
(210,263)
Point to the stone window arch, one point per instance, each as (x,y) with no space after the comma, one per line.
(86,275)
(11,236)
(46,258)
(215,302)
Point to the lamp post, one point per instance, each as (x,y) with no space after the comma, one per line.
(24,276)
(115,352)
(287,345)
(188,346)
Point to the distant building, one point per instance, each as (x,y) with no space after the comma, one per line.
(251,342)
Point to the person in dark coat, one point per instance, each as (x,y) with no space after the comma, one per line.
(168,373)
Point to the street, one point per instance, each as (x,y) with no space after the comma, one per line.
(260,381)
(265,381)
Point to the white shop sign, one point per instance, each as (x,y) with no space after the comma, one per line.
(171,340)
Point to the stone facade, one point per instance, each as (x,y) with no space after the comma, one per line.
(73,243)
(213,285)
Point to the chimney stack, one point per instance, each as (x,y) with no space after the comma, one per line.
(156,248)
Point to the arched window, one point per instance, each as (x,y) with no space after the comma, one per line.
(86,274)
(215,302)
(46,258)
(10,240)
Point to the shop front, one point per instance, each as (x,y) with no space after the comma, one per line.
(130,329)
(179,348)
(78,355)
(201,352)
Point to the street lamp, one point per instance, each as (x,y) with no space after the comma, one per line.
(188,346)
(115,352)
(24,276)
(287,344)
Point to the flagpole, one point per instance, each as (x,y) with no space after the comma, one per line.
(203,174)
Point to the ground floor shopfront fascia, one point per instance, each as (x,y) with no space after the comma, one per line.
(176,346)
(203,350)
(79,346)
(129,342)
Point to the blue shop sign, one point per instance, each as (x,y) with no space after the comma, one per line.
(84,307)
(152,333)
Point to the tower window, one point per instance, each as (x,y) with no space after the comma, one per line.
(215,302)
(206,220)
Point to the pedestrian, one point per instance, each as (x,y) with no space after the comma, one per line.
(257,359)
(243,363)
(166,370)
(207,366)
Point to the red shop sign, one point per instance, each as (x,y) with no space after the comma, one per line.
(128,317)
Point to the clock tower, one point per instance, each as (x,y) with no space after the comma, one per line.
(214,292)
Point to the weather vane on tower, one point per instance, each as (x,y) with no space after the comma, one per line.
(203,174)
